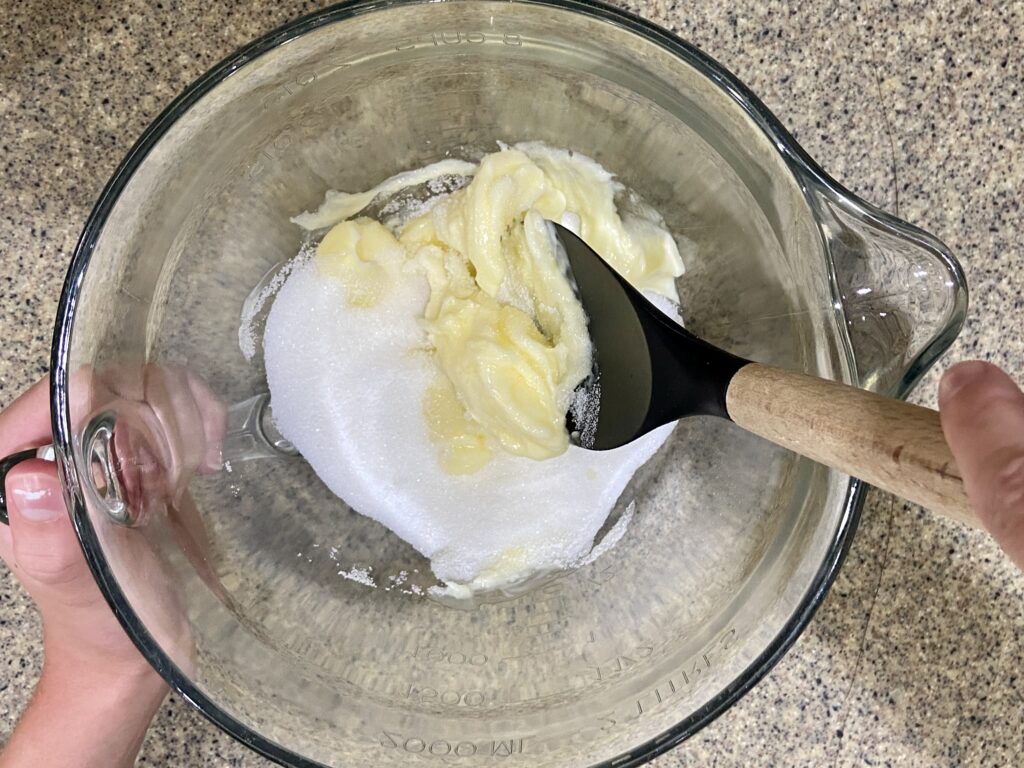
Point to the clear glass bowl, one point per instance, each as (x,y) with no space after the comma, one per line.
(229,581)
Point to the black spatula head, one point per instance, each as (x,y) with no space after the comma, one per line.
(650,370)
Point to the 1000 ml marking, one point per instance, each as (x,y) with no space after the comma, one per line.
(440,39)
(444,748)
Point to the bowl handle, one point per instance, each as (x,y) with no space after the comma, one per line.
(250,434)
(902,292)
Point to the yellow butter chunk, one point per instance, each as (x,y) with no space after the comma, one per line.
(507,330)
(502,569)
(507,333)
(640,250)
(464,446)
(508,376)
(358,253)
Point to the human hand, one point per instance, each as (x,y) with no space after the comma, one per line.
(41,549)
(170,425)
(90,667)
(97,694)
(982,413)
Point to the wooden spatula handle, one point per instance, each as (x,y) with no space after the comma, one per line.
(891,444)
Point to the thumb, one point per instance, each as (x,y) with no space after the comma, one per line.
(982,414)
(44,544)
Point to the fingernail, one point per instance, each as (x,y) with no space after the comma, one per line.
(38,498)
(957,377)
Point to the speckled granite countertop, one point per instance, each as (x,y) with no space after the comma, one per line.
(916,656)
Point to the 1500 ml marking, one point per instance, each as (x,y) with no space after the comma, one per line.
(442,39)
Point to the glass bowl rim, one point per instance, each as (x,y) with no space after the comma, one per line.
(796,158)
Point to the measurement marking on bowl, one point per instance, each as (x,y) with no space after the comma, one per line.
(546,652)
(684,677)
(432,40)
(272,148)
(445,656)
(419,744)
(575,672)
(600,575)
(477,694)
(318,117)
(442,39)
(620,662)
(456,698)
(477,698)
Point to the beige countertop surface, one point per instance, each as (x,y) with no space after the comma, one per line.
(916,656)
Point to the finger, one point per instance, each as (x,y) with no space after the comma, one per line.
(190,533)
(137,466)
(982,414)
(87,393)
(170,397)
(214,415)
(122,380)
(45,548)
(25,423)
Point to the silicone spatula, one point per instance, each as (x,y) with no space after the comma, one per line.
(652,371)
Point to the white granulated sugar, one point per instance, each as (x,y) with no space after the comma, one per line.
(585,409)
(359,576)
(613,537)
(406,207)
(347,386)
(666,305)
(253,305)
(398,212)
(447,183)
(397,580)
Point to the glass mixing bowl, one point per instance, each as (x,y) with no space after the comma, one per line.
(233,582)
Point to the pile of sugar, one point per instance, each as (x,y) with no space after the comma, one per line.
(347,386)
(254,303)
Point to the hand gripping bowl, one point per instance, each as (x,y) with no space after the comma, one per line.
(241,585)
